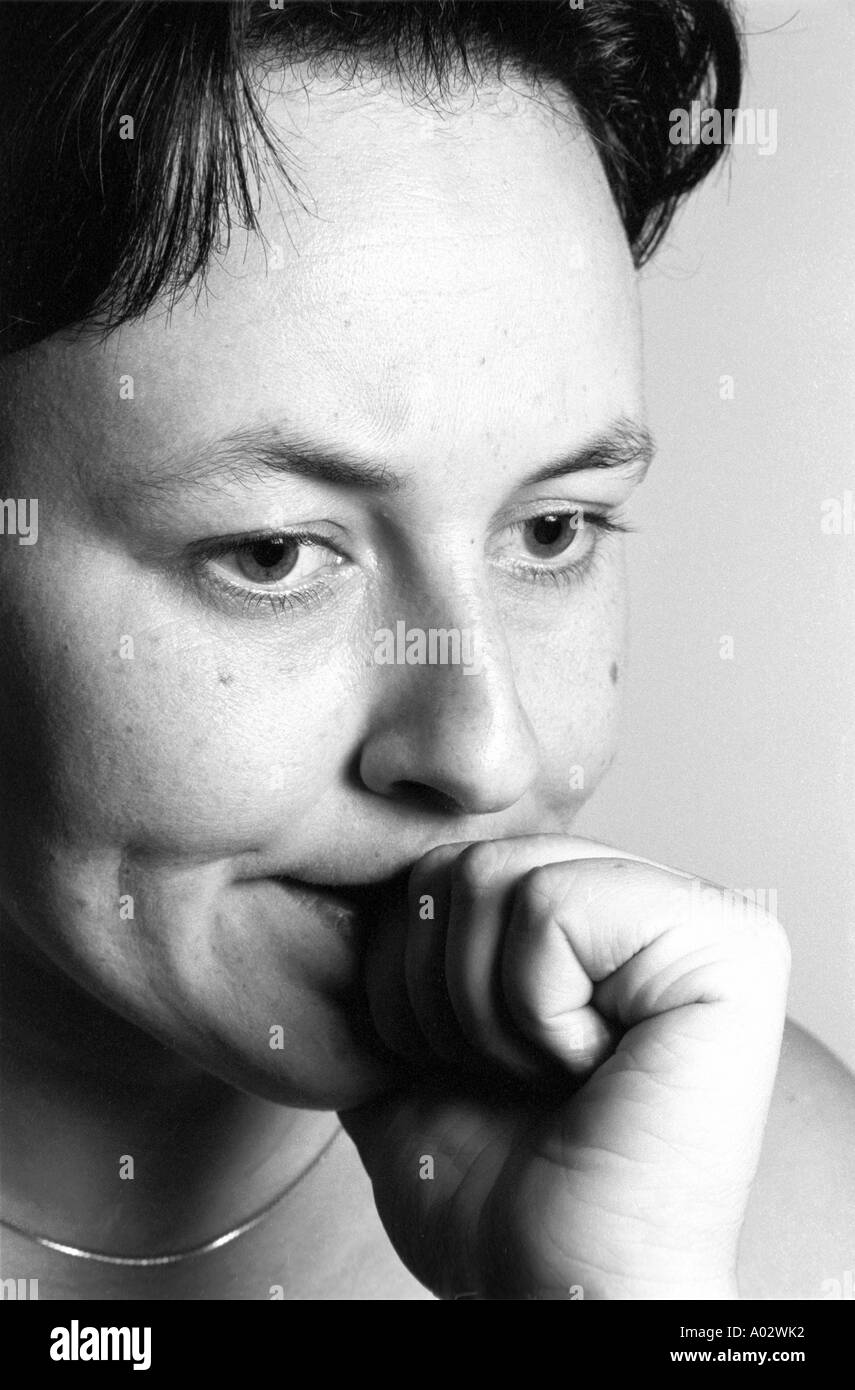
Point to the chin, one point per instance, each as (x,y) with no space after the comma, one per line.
(259,982)
(265,988)
(329,1062)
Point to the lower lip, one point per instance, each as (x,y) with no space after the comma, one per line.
(334,911)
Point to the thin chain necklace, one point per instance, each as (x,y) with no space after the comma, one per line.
(149,1261)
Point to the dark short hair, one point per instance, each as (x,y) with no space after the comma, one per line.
(94,227)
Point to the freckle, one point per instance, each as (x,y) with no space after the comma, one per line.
(481,361)
(613,672)
(226,677)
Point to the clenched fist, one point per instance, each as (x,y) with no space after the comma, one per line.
(590,1043)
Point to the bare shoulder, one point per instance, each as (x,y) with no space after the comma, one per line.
(799,1235)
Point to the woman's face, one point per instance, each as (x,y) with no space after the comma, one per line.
(199,723)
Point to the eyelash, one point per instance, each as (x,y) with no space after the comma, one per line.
(252,600)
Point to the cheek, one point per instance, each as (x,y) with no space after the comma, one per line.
(568,679)
(156,737)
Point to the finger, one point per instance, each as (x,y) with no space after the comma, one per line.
(429,900)
(459,908)
(630,913)
(484,879)
(459,903)
(388,1002)
(482,887)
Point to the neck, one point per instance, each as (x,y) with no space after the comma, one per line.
(112,1142)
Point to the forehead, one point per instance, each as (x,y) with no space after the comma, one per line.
(451,270)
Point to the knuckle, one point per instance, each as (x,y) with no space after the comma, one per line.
(434,859)
(536,890)
(745,929)
(428,867)
(477,867)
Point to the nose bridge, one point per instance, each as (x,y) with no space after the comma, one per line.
(449,627)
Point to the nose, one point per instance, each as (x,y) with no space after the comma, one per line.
(451,735)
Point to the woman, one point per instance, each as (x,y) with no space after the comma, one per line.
(315,656)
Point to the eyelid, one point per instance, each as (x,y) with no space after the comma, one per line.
(217,546)
(552,506)
(607,519)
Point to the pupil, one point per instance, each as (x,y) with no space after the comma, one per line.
(550,530)
(267,554)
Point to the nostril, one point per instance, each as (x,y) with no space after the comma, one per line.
(426,798)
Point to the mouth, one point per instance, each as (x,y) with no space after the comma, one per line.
(350,910)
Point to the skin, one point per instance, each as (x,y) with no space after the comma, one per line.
(462,310)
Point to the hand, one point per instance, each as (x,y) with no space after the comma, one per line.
(591,1042)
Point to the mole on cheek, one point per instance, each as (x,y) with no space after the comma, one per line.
(613,672)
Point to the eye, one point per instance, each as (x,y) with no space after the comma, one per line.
(274,558)
(552,534)
(267,561)
(569,537)
(279,571)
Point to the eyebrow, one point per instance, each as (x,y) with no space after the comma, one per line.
(625,446)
